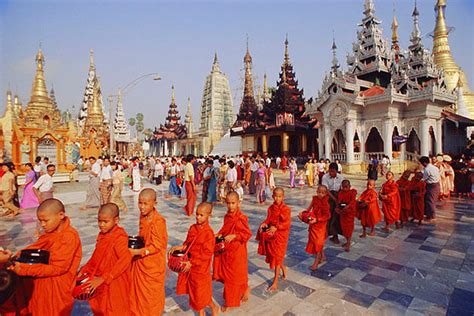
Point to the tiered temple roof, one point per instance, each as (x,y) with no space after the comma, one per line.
(172,129)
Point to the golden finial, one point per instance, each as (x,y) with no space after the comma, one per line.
(172,94)
(9,100)
(247,57)
(287,56)
(394,26)
(265,88)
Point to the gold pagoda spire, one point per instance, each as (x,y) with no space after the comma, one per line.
(172,95)
(248,83)
(394,28)
(91,59)
(39,92)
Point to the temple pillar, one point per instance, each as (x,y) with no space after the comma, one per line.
(320,145)
(285,143)
(387,140)
(304,148)
(165,148)
(350,141)
(175,148)
(425,137)
(264,144)
(439,136)
(327,142)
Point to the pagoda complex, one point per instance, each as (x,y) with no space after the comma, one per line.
(93,124)
(388,102)
(38,129)
(164,140)
(280,126)
(454,76)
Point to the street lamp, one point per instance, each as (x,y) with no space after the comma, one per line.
(122,92)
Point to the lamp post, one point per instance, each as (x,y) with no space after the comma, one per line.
(122,92)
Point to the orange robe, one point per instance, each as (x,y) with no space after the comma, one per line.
(347,217)
(111,260)
(405,198)
(320,210)
(418,189)
(370,216)
(391,205)
(148,273)
(274,249)
(49,290)
(231,267)
(197,282)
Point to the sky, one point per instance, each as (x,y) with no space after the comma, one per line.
(178,39)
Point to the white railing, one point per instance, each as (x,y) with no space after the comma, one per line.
(357,156)
(379,155)
(411,156)
(338,156)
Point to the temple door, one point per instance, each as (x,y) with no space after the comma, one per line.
(47,148)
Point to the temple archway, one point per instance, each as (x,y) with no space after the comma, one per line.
(374,142)
(356,143)
(432,142)
(338,142)
(259,145)
(413,143)
(274,146)
(47,147)
(395,145)
(294,145)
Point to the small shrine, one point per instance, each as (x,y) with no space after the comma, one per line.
(121,131)
(280,126)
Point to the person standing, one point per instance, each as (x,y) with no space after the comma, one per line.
(105,186)
(93,194)
(278,162)
(190,185)
(333,181)
(431,177)
(80,163)
(173,187)
(293,169)
(43,188)
(38,167)
(135,173)
(158,172)
(253,175)
(8,189)
(29,199)
(117,182)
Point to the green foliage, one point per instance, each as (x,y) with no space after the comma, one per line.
(140,127)
(131,121)
(139,117)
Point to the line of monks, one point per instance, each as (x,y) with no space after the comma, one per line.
(132,281)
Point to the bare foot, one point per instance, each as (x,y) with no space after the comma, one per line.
(372,234)
(215,309)
(283,272)
(246,295)
(346,246)
(386,229)
(335,240)
(314,267)
(363,235)
(226,309)
(273,287)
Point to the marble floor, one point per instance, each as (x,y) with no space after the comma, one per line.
(416,270)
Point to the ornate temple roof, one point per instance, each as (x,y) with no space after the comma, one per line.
(188,120)
(172,129)
(121,130)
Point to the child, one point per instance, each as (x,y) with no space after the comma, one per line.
(390,197)
(240,191)
(48,288)
(110,266)
(301,176)
(404,185)
(346,196)
(117,181)
(149,263)
(368,209)
(320,214)
(418,189)
(231,266)
(278,222)
(196,280)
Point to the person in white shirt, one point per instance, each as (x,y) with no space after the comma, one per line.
(93,194)
(278,162)
(80,163)
(253,174)
(38,167)
(158,172)
(431,176)
(44,165)
(333,181)
(268,162)
(230,177)
(43,188)
(106,184)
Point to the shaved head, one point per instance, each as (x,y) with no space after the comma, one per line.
(279,189)
(233,194)
(148,194)
(205,207)
(51,205)
(109,209)
(371,181)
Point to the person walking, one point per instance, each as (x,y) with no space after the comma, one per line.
(431,177)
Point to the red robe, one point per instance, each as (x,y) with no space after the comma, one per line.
(231,267)
(198,281)
(148,272)
(347,217)
(418,189)
(274,249)
(49,290)
(320,210)
(391,205)
(405,198)
(111,260)
(370,216)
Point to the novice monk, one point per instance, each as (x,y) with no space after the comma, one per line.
(110,266)
(231,266)
(418,189)
(48,290)
(404,185)
(278,222)
(390,197)
(347,196)
(369,211)
(320,214)
(149,263)
(196,279)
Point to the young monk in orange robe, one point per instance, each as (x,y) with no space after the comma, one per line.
(278,223)
(391,204)
(196,280)
(149,263)
(418,189)
(231,266)
(48,291)
(369,213)
(347,214)
(404,185)
(110,265)
(320,214)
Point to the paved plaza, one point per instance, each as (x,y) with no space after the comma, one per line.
(416,270)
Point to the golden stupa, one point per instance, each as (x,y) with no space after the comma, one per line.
(443,58)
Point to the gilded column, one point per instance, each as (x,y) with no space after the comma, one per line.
(350,141)
(304,143)
(264,144)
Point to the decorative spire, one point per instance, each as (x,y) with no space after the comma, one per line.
(91,59)
(369,8)
(172,95)
(215,65)
(335,63)
(287,55)
(121,131)
(39,93)
(188,120)
(9,101)
(441,50)
(248,84)
(415,38)
(395,28)
(52,96)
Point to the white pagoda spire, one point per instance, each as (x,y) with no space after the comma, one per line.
(121,131)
